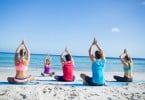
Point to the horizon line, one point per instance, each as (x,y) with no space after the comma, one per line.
(72,55)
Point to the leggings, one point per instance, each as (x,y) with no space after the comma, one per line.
(123,79)
(89,81)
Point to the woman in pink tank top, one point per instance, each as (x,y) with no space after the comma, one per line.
(67,67)
(21,65)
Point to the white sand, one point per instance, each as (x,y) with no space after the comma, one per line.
(48,89)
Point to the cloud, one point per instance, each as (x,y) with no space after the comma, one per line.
(115,30)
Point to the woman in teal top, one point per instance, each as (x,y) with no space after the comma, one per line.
(98,65)
(128,64)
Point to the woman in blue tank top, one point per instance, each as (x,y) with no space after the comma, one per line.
(98,65)
(128,64)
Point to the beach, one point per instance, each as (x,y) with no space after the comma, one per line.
(44,88)
(103,37)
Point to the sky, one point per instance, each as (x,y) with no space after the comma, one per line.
(52,25)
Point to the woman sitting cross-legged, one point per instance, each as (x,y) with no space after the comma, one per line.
(47,67)
(21,65)
(128,64)
(67,67)
(98,65)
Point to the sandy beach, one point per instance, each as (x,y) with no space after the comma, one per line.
(65,35)
(44,88)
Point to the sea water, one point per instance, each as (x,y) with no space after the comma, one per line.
(82,63)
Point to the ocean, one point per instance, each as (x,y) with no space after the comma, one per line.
(82,63)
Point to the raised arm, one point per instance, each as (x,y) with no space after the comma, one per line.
(66,51)
(125,51)
(91,55)
(47,57)
(122,57)
(27,51)
(99,48)
(62,57)
(17,53)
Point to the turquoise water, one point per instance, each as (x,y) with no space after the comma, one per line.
(82,63)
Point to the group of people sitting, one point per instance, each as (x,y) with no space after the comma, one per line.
(98,65)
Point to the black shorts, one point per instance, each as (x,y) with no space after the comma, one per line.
(123,79)
(60,78)
(89,81)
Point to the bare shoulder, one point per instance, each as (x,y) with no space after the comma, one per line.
(26,62)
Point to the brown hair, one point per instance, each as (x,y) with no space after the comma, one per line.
(98,54)
(49,60)
(127,58)
(68,57)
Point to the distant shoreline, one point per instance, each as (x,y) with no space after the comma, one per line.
(73,55)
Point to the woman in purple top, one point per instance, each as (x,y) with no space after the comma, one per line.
(47,64)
